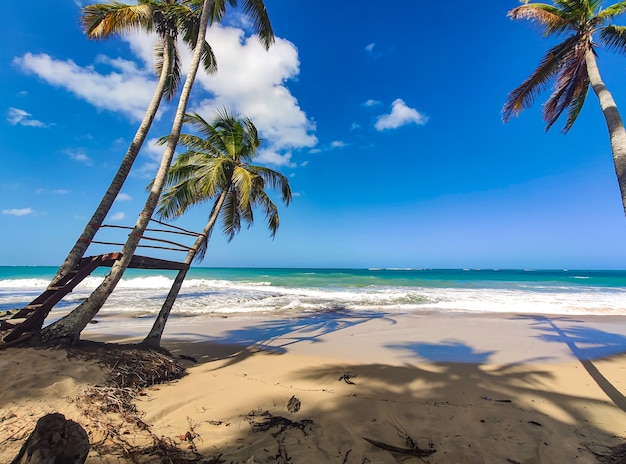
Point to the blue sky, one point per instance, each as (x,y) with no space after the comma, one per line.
(386,120)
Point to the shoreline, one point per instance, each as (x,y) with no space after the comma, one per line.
(480,388)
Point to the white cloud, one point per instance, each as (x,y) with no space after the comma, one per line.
(151,155)
(79,156)
(117,216)
(60,191)
(125,88)
(337,144)
(123,197)
(369,48)
(18,211)
(272,157)
(251,82)
(369,103)
(400,115)
(17,116)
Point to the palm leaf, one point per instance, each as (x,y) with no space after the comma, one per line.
(524,96)
(255,9)
(610,12)
(614,38)
(547,19)
(100,21)
(570,82)
(173,74)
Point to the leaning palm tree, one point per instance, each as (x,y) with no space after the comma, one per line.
(168,18)
(572,66)
(70,326)
(217,168)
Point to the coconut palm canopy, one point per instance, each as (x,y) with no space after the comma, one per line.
(169,19)
(583,25)
(573,66)
(218,160)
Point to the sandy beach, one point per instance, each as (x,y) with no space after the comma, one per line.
(342,387)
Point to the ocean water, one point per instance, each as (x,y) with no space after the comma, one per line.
(223,291)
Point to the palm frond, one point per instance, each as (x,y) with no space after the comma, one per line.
(571,80)
(103,20)
(610,12)
(242,183)
(524,96)
(576,105)
(256,10)
(614,38)
(547,19)
(275,180)
(173,74)
(208,230)
(230,215)
(263,201)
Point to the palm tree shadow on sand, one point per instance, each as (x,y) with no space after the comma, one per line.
(587,344)
(275,336)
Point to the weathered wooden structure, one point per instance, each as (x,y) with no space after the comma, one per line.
(31,317)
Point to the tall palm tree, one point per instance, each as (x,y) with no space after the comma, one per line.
(572,66)
(70,326)
(217,168)
(168,18)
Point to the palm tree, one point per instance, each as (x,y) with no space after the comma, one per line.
(70,326)
(167,18)
(217,168)
(572,66)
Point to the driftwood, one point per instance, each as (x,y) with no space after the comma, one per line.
(414,451)
(54,440)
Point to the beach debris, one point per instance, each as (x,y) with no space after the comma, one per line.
(293,405)
(347,376)
(190,436)
(188,358)
(412,447)
(535,423)
(131,366)
(55,439)
(262,421)
(486,398)
(413,451)
(608,454)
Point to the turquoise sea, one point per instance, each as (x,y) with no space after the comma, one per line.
(223,291)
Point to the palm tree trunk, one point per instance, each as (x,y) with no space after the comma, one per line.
(70,326)
(83,242)
(614,123)
(153,339)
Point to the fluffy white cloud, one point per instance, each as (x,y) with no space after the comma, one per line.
(126,88)
(400,115)
(370,103)
(337,144)
(117,216)
(369,48)
(251,82)
(151,154)
(18,211)
(123,197)
(79,156)
(17,116)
